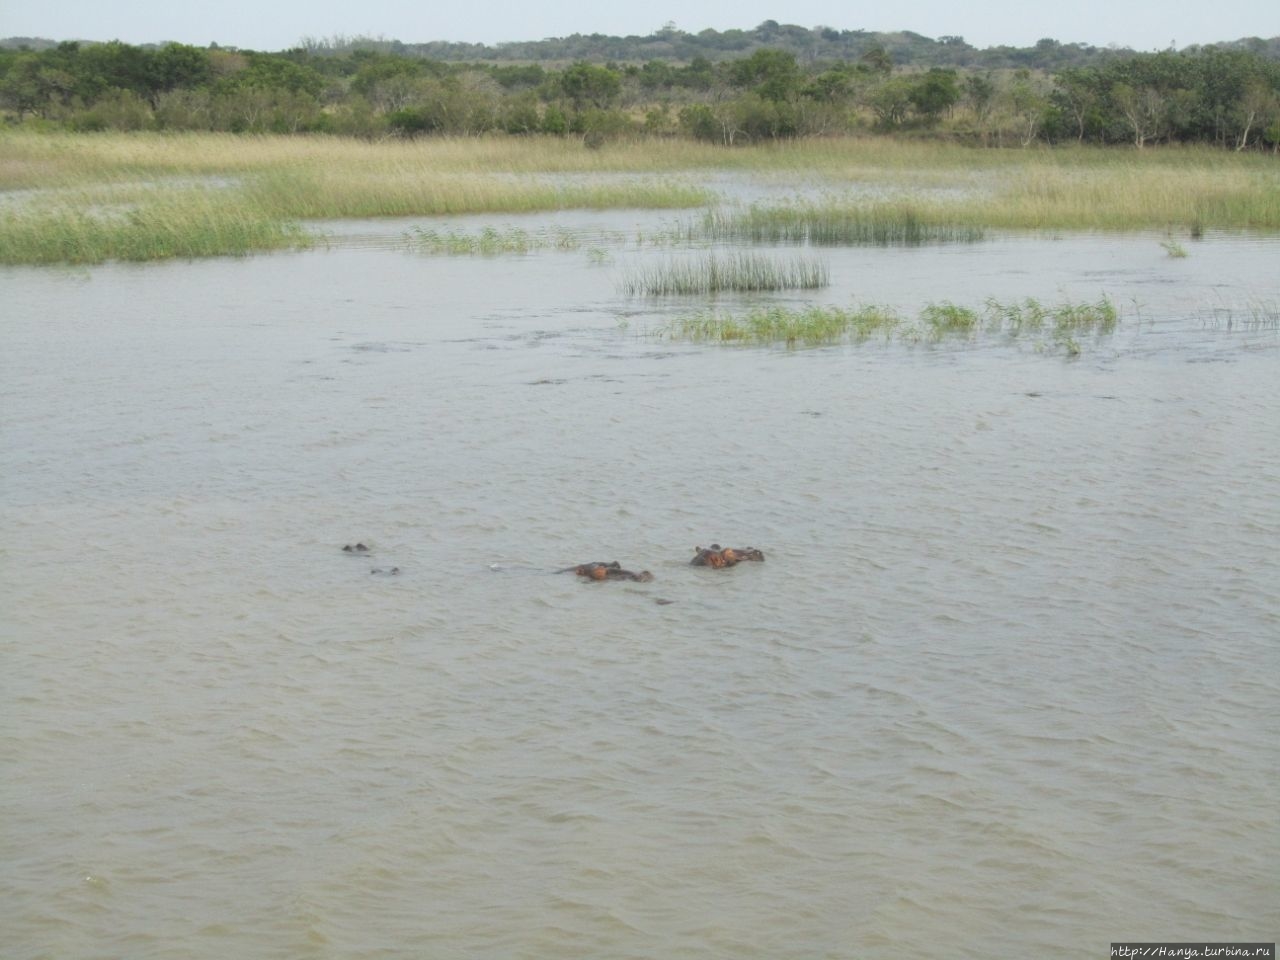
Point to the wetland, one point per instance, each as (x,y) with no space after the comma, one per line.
(1005,682)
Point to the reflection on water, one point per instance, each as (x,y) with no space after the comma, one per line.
(1004,684)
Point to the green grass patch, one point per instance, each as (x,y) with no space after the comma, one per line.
(1055,326)
(809,325)
(725,272)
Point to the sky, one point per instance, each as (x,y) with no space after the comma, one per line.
(280,24)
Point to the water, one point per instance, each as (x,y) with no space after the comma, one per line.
(1003,687)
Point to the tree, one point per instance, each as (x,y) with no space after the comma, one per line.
(772,74)
(1028,104)
(934,94)
(980,92)
(175,66)
(878,60)
(890,101)
(1078,97)
(1143,109)
(587,85)
(1259,107)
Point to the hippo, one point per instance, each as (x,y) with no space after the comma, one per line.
(718,556)
(599,570)
(355,548)
(385,571)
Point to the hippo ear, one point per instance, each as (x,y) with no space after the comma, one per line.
(697,549)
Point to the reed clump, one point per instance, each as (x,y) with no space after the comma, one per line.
(899,223)
(714,273)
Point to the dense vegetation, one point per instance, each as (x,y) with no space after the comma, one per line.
(776,82)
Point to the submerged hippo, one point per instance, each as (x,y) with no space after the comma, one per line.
(355,548)
(718,556)
(599,570)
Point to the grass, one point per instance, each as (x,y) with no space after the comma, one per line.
(82,189)
(1059,326)
(490,241)
(809,326)
(164,226)
(1255,316)
(723,272)
(895,223)
(1174,249)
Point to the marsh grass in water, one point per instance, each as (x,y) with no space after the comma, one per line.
(267,185)
(490,241)
(1174,248)
(184,225)
(713,273)
(809,325)
(1255,316)
(1060,325)
(877,224)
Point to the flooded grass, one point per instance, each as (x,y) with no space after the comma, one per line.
(332,195)
(809,325)
(269,184)
(879,224)
(1053,326)
(491,241)
(723,272)
(946,318)
(1255,316)
(163,226)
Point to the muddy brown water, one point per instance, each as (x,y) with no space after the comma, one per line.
(1004,687)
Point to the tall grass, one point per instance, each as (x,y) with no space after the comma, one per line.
(898,223)
(164,226)
(317,194)
(722,272)
(268,183)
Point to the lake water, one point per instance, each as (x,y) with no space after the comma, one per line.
(1005,685)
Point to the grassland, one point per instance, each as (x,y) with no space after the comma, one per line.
(91,197)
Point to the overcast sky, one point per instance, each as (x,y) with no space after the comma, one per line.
(280,24)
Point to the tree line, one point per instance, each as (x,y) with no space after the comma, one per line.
(1228,96)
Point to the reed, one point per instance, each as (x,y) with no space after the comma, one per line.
(161,227)
(1030,315)
(313,194)
(899,223)
(723,272)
